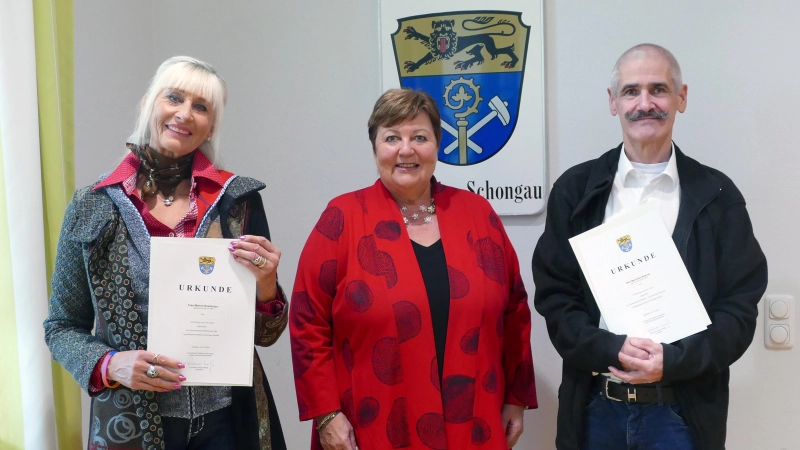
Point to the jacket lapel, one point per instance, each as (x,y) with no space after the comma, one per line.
(698,188)
(600,180)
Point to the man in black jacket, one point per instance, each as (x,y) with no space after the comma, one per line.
(681,387)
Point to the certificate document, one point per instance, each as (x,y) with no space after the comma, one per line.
(202,310)
(638,278)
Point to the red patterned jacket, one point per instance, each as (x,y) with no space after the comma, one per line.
(361,333)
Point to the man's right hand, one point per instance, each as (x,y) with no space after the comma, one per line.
(338,434)
(632,351)
(639,371)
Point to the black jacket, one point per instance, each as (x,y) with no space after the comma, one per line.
(714,237)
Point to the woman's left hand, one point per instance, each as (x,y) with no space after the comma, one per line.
(261,257)
(512,423)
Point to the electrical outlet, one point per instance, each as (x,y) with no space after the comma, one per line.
(779,320)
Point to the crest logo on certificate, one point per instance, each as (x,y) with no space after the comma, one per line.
(625,243)
(484,70)
(206,264)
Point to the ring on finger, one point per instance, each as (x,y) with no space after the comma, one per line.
(152,372)
(259,261)
(155,358)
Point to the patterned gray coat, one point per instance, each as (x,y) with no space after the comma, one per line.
(101,281)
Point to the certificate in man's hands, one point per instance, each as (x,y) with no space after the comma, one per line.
(202,310)
(638,278)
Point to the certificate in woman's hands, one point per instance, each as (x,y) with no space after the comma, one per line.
(202,310)
(638,278)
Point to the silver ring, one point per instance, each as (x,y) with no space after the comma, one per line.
(152,372)
(155,359)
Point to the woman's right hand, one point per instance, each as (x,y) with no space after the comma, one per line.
(338,434)
(130,368)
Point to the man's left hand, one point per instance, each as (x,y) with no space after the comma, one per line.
(639,370)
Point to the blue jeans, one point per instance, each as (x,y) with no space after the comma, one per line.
(212,431)
(612,425)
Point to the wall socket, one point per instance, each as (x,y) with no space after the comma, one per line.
(779,320)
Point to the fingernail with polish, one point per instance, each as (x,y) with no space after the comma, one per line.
(181,366)
(234,242)
(181,377)
(231,249)
(177,386)
(166,390)
(242,236)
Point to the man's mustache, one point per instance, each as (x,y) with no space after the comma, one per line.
(646,114)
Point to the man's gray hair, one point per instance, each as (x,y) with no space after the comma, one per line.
(640,51)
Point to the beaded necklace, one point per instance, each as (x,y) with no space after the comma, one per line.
(420,216)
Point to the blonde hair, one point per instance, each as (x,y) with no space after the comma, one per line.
(189,75)
(397,105)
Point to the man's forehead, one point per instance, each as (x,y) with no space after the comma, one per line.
(641,84)
(650,62)
(648,69)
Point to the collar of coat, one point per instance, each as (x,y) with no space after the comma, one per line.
(93,209)
(697,182)
(699,186)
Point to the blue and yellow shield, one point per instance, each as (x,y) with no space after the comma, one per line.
(206,264)
(625,243)
(472,63)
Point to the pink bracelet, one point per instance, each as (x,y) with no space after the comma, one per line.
(103,369)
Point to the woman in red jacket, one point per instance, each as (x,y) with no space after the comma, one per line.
(409,321)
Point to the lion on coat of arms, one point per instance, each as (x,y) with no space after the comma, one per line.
(444,43)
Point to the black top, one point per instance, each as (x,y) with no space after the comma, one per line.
(437,285)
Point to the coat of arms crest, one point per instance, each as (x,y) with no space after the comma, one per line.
(206,264)
(472,63)
(625,243)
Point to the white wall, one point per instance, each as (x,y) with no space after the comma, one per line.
(303,76)
(113,63)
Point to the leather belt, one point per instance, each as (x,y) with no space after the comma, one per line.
(635,393)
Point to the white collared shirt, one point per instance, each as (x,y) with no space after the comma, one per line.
(636,184)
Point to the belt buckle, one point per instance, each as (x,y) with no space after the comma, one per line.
(632,397)
(608,396)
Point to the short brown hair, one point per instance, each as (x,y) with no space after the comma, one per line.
(398,105)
